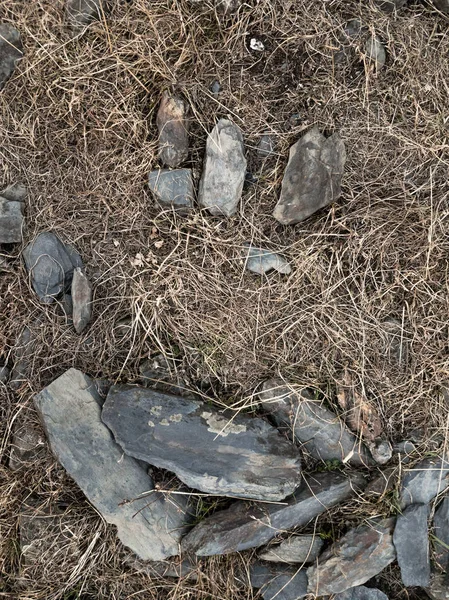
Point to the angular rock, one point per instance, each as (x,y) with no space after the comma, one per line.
(171,122)
(421,483)
(361,593)
(302,549)
(16,192)
(357,557)
(234,455)
(150,525)
(375,51)
(279,582)
(441,524)
(318,429)
(4,374)
(82,300)
(261,261)
(441,5)
(11,51)
(11,221)
(266,146)
(381,451)
(27,446)
(50,264)
(224,170)
(81,13)
(312,178)
(243,526)
(173,189)
(411,541)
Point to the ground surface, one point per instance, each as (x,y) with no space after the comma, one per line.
(78,128)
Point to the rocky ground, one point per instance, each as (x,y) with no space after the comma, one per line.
(223,299)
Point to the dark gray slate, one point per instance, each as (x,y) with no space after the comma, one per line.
(81,300)
(411,541)
(302,549)
(172,125)
(422,482)
(278,581)
(151,526)
(312,178)
(11,51)
(234,455)
(261,261)
(357,557)
(441,524)
(50,264)
(224,170)
(361,593)
(81,13)
(16,192)
(318,429)
(375,51)
(381,451)
(11,221)
(244,526)
(173,189)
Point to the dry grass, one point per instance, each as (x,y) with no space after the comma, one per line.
(78,127)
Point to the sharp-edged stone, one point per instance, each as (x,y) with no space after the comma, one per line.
(119,488)
(261,261)
(441,524)
(224,170)
(279,582)
(302,549)
(312,179)
(231,455)
(357,557)
(361,592)
(11,221)
(243,526)
(411,541)
(11,51)
(318,429)
(171,122)
(422,482)
(172,189)
(82,300)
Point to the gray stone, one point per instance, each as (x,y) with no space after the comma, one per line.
(215,87)
(173,189)
(23,352)
(384,483)
(302,549)
(391,5)
(312,179)
(243,526)
(171,122)
(442,5)
(50,264)
(266,146)
(361,593)
(149,524)
(406,448)
(318,429)
(11,51)
(81,13)
(375,51)
(11,221)
(441,524)
(16,192)
(357,557)
(27,446)
(279,582)
(381,451)
(234,455)
(4,374)
(411,541)
(82,300)
(260,261)
(224,170)
(421,483)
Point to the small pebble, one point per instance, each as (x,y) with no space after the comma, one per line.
(215,87)
(266,146)
(256,45)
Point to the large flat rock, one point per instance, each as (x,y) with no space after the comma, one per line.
(150,526)
(244,526)
(319,430)
(424,480)
(411,540)
(231,455)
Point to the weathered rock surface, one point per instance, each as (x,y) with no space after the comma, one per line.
(4,374)
(266,146)
(302,549)
(81,13)
(171,122)
(150,526)
(11,51)
(26,447)
(381,451)
(11,221)
(359,555)
(312,178)
(243,526)
(81,300)
(224,170)
(16,192)
(411,541)
(442,5)
(318,429)
(50,264)
(375,51)
(278,581)
(421,483)
(217,454)
(441,524)
(261,261)
(361,593)
(173,189)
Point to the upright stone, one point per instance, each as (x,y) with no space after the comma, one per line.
(171,122)
(119,488)
(224,170)
(312,178)
(411,540)
(11,51)
(82,300)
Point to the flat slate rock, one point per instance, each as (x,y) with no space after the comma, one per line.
(173,189)
(425,480)
(243,526)
(151,526)
(224,170)
(261,261)
(357,557)
(172,125)
(302,549)
(441,524)
(411,540)
(11,51)
(235,455)
(361,592)
(279,582)
(81,301)
(318,429)
(81,13)
(312,178)
(11,221)
(50,264)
